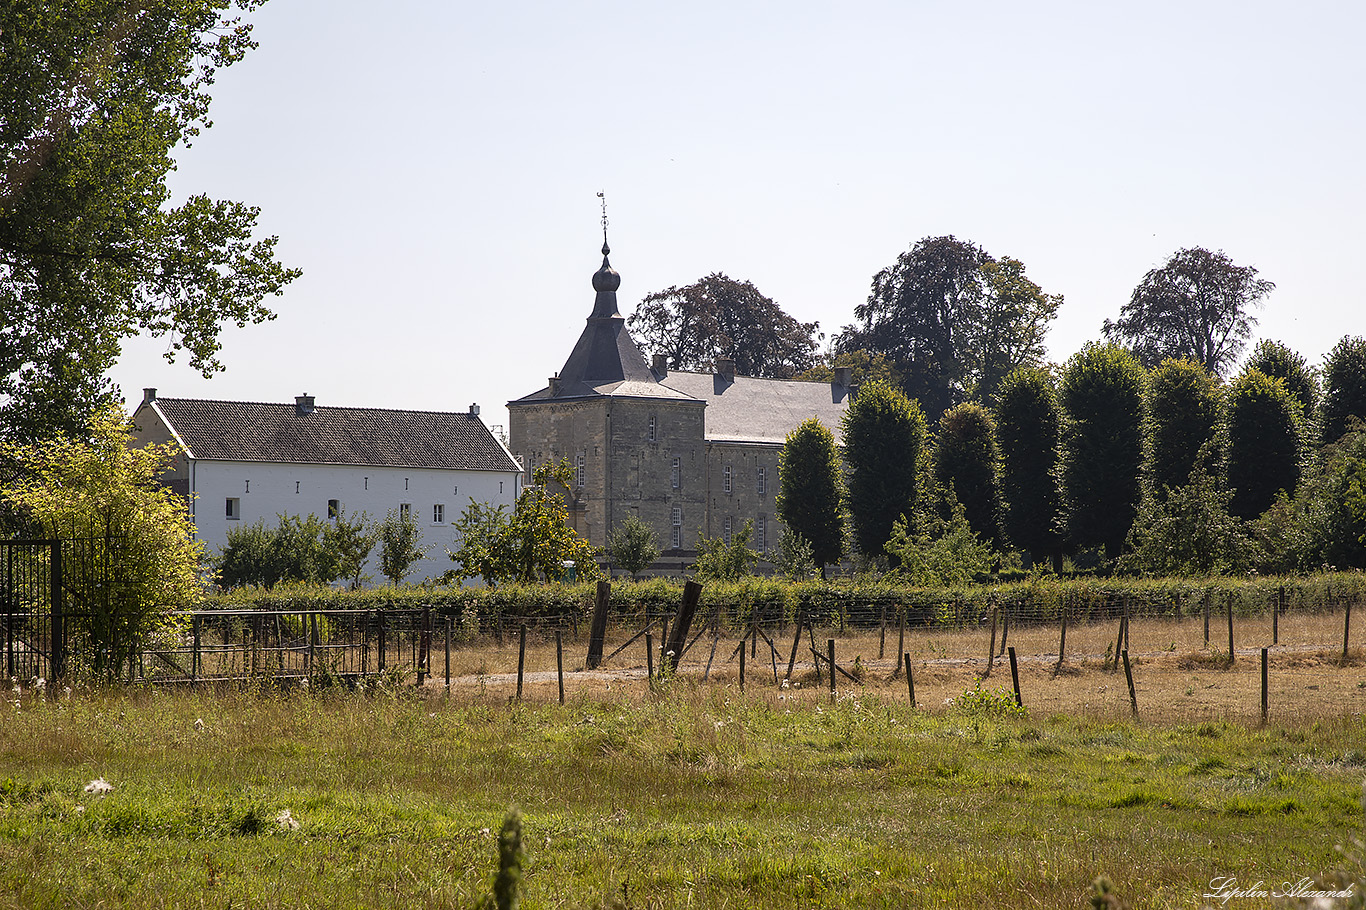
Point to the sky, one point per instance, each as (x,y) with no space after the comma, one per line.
(433,167)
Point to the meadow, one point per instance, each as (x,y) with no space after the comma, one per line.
(676,793)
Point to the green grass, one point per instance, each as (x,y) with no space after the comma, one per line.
(690,798)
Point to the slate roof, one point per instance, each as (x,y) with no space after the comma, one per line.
(255,431)
(745,409)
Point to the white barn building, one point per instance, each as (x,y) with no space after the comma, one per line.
(243,462)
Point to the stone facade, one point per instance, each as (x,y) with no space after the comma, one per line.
(688,453)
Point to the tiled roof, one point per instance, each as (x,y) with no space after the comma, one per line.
(255,431)
(744,409)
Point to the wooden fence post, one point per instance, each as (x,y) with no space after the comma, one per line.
(831,646)
(1230,628)
(597,633)
(650,657)
(1129,677)
(910,682)
(559,661)
(1015,678)
(1207,599)
(383,639)
(1347,625)
(521,658)
(1062,638)
(692,595)
(796,641)
(1276,616)
(449,623)
(1264,693)
(742,666)
(194,657)
(1005,629)
(991,650)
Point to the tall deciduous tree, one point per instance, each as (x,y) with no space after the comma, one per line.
(1344,387)
(1102,398)
(105,492)
(810,490)
(1263,443)
(1029,431)
(1274,359)
(1198,307)
(400,544)
(1183,414)
(718,317)
(952,320)
(967,459)
(94,99)
(884,446)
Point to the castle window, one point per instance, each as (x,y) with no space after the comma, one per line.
(234,508)
(438,513)
(761,481)
(761,535)
(403,509)
(652,434)
(726,529)
(725,482)
(578,471)
(675,478)
(676,520)
(334,508)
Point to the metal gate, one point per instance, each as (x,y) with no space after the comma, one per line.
(31,609)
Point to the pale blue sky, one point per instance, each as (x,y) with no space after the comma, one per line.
(433,168)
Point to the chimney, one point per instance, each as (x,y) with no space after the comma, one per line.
(303,404)
(474,410)
(555,386)
(844,376)
(725,368)
(660,364)
(149,395)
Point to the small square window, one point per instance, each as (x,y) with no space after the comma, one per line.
(234,508)
(334,508)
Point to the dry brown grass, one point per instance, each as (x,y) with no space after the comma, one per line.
(1176,677)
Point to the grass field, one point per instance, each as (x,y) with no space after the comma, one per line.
(683,794)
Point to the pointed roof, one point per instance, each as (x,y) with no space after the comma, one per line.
(605,360)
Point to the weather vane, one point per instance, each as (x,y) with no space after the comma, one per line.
(603,197)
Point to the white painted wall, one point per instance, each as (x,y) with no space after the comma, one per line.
(265,490)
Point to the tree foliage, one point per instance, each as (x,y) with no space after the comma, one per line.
(884,447)
(1102,398)
(952,320)
(400,544)
(1331,513)
(1029,431)
(633,546)
(1344,387)
(1189,531)
(1263,443)
(1198,306)
(1274,359)
(864,367)
(967,461)
(531,544)
(305,550)
(939,551)
(100,490)
(94,98)
(719,317)
(811,489)
(1184,410)
(719,559)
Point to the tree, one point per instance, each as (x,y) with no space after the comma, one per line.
(1029,434)
(1197,307)
(633,546)
(952,320)
(1331,507)
(1263,443)
(1344,387)
(719,317)
(400,542)
(1183,414)
(939,551)
(1271,358)
(1102,398)
(106,493)
(530,545)
(967,461)
(350,541)
(794,559)
(94,98)
(306,550)
(810,490)
(864,367)
(884,447)
(719,559)
(1189,531)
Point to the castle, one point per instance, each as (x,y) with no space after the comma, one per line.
(686,453)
